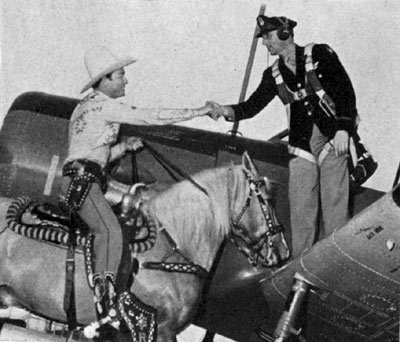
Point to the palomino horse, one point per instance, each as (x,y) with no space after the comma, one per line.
(235,203)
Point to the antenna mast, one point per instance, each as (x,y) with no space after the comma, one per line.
(249,65)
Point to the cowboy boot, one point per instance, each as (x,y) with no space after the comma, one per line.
(99,291)
(105,296)
(111,295)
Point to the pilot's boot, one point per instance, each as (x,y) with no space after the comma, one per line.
(105,295)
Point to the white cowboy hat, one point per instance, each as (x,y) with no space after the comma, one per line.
(100,61)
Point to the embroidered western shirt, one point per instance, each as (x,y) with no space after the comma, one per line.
(95,123)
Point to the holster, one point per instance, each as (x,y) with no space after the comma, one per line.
(83,173)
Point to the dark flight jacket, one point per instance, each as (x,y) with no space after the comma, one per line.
(304,113)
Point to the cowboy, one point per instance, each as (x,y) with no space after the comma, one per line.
(93,132)
(320,123)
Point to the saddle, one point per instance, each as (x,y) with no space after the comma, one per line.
(42,222)
(52,213)
(51,224)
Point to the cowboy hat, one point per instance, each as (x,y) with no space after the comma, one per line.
(100,61)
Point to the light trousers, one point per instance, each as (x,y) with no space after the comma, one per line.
(317,192)
(104,225)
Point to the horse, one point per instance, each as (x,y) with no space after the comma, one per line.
(229,201)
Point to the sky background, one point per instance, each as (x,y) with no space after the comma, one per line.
(190,51)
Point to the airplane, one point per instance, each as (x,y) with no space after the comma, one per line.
(241,302)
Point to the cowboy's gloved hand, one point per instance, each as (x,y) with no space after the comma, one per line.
(133,144)
(216,110)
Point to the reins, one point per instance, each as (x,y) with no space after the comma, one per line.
(171,168)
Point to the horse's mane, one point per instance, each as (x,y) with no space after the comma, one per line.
(189,214)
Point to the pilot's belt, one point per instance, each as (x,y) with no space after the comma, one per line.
(309,156)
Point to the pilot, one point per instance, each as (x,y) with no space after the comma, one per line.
(321,107)
(93,132)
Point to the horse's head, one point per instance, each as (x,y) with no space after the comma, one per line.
(256,230)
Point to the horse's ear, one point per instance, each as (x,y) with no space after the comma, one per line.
(248,164)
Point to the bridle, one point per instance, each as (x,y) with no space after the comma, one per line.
(255,244)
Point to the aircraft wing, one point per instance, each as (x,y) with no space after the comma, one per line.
(355,277)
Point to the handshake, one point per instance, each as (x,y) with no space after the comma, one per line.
(215,110)
(132,143)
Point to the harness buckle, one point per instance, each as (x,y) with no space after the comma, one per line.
(70,265)
(300,95)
